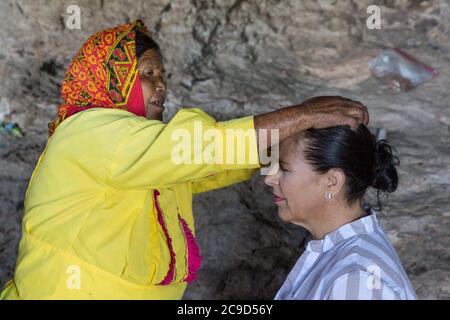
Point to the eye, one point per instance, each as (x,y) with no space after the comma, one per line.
(285,167)
(149,73)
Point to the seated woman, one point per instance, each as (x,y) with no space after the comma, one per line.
(323,176)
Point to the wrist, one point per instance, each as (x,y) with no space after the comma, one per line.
(305,116)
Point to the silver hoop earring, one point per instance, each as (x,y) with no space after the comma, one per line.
(328,195)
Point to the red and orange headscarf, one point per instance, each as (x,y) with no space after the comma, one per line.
(104,74)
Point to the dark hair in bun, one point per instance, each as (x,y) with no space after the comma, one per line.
(365,161)
(385,173)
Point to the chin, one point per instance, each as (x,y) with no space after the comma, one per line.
(283,216)
(154,116)
(289,218)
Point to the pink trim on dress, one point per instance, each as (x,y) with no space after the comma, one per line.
(194,257)
(169,277)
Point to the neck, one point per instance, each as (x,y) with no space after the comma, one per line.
(333,216)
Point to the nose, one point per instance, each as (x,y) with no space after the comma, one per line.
(272,179)
(160,85)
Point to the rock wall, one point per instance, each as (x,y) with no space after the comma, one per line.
(235,58)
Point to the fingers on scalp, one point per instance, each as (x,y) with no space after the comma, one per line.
(366,112)
(354,124)
(355,109)
(363,114)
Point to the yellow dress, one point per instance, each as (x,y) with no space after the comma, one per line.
(90,228)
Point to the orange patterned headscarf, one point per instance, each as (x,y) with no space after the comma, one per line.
(103,74)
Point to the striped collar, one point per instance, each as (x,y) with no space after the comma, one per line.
(364,225)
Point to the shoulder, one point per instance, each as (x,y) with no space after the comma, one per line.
(360,284)
(97,123)
(372,263)
(97,116)
(367,250)
(94,131)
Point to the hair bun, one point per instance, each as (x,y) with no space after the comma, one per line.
(385,176)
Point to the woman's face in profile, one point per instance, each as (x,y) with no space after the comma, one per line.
(298,190)
(151,73)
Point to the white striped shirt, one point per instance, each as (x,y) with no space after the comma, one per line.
(356,261)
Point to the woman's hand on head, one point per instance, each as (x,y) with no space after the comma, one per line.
(319,112)
(329,111)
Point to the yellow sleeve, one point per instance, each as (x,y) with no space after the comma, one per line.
(222,180)
(191,147)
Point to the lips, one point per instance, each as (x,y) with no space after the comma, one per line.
(158,99)
(277,198)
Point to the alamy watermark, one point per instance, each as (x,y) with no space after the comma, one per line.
(73,19)
(374,280)
(74,277)
(229,146)
(374,19)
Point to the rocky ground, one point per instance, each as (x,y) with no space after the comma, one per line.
(235,58)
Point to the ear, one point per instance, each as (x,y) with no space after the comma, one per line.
(335,180)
